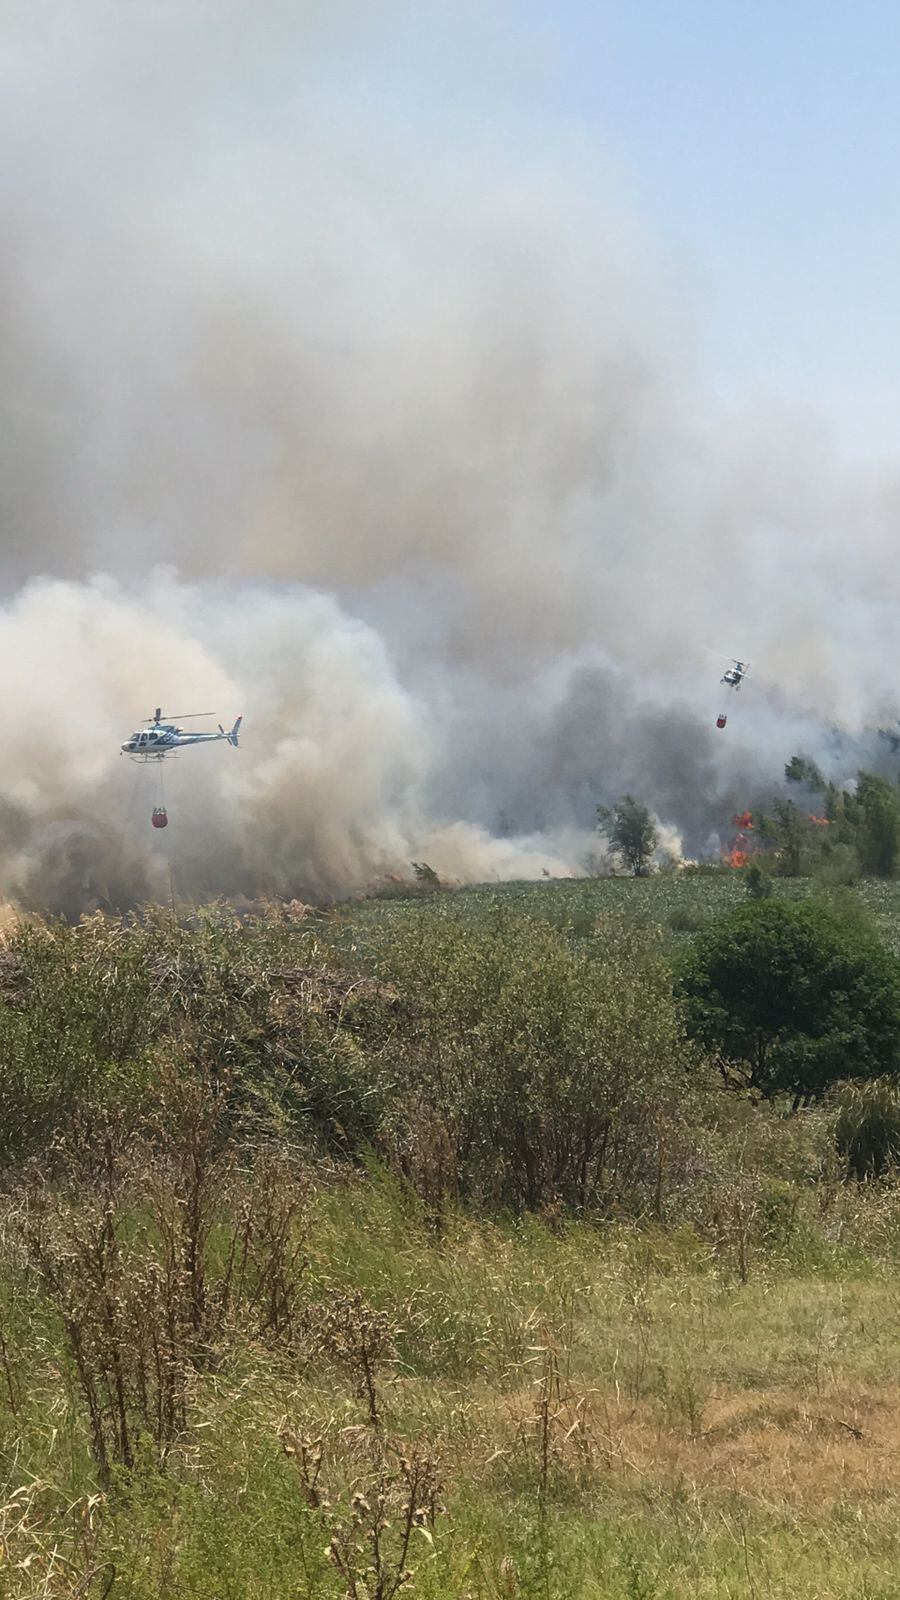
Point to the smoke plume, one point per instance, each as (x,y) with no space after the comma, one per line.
(389,434)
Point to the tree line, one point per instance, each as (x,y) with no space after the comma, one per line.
(854,830)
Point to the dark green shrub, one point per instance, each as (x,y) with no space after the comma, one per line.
(757,882)
(795,995)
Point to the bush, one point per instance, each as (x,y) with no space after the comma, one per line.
(757,882)
(794,995)
(87,1012)
(838,866)
(688,919)
(867,1128)
(534,1073)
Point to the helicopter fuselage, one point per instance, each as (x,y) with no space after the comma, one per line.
(735,675)
(152,744)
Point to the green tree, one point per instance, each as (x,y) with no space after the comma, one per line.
(802,769)
(795,996)
(629,828)
(878,825)
(789,830)
(832,802)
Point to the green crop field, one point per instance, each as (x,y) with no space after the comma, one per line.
(678,902)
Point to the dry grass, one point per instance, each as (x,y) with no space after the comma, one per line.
(228,1370)
(365,1410)
(701,1438)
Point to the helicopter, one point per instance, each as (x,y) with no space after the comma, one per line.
(160,738)
(732,678)
(736,673)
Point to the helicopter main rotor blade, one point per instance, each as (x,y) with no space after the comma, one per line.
(179,716)
(721,654)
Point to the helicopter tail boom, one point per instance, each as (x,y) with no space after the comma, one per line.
(232,735)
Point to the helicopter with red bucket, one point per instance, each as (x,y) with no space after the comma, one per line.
(733,677)
(159,739)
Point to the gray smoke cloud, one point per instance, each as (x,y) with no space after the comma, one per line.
(391,435)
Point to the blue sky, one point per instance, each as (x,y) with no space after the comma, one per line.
(758,145)
(763,138)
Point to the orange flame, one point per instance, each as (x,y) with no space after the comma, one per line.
(738,855)
(820,822)
(744,820)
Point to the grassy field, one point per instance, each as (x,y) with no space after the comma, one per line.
(608,1413)
(235,1362)
(678,902)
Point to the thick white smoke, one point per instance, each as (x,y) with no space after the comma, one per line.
(393,440)
(327,791)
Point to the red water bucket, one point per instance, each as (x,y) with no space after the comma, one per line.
(721,720)
(160,817)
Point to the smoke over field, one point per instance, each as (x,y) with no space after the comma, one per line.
(395,441)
